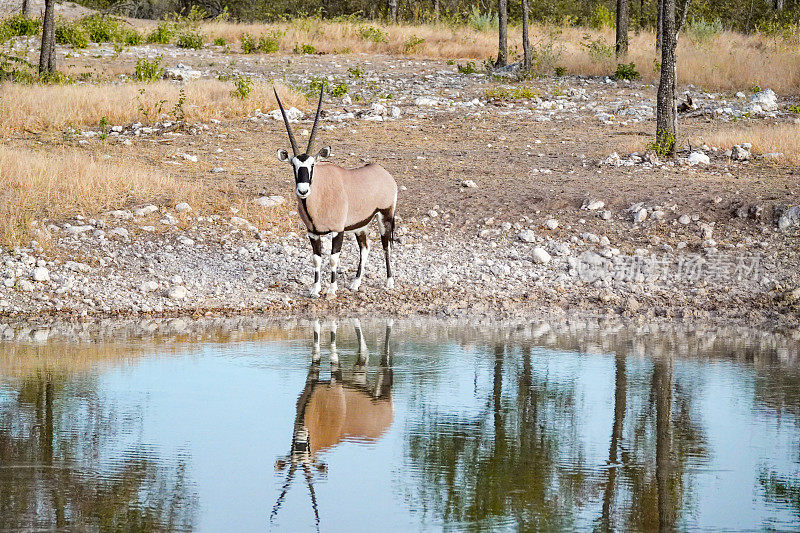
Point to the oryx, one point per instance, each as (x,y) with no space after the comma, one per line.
(335,200)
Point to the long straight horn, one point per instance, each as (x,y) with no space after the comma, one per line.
(316,119)
(286,121)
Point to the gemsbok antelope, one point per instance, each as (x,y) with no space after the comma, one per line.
(335,200)
(345,407)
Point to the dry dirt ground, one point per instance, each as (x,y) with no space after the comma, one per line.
(525,171)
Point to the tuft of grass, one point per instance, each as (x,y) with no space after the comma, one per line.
(701,30)
(220,41)
(270,43)
(102,29)
(304,49)
(511,93)
(482,22)
(190,39)
(149,70)
(467,68)
(766,138)
(249,45)
(338,90)
(412,43)
(163,33)
(355,73)
(663,146)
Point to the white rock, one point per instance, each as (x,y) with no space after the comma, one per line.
(469,184)
(426,101)
(120,232)
(181,73)
(177,292)
(378,109)
(527,236)
(144,210)
(269,201)
(149,286)
(766,99)
(185,241)
(540,255)
(740,94)
(593,205)
(395,112)
(640,216)
(189,157)
(433,213)
(40,274)
(24,285)
(739,153)
(183,207)
(176,280)
(238,221)
(120,213)
(217,170)
(684,219)
(551,223)
(75,230)
(698,158)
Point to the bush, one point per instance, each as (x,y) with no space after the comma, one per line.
(269,44)
(561,71)
(505,93)
(338,90)
(317,84)
(355,72)
(602,17)
(102,29)
(597,48)
(72,34)
(22,26)
(627,72)
(148,70)
(412,42)
(163,34)
(190,39)
(663,146)
(130,37)
(220,41)
(468,68)
(371,33)
(484,22)
(248,44)
(700,30)
(242,87)
(304,49)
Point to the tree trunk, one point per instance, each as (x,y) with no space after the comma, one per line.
(502,19)
(393,11)
(778,5)
(47,56)
(620,403)
(623,19)
(662,375)
(659,25)
(526,44)
(666,108)
(24,8)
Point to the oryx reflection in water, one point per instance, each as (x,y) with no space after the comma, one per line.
(344,407)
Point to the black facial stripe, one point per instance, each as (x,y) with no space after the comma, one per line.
(302,175)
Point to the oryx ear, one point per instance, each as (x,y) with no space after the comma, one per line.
(324,153)
(283,155)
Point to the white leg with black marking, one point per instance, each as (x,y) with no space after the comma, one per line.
(316,247)
(315,349)
(334,352)
(336,248)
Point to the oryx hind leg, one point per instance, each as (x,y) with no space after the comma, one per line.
(363,252)
(386,228)
(316,248)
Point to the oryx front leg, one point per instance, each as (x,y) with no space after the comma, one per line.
(363,252)
(336,248)
(316,248)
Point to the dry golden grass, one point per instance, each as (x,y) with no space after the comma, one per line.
(37,184)
(766,138)
(41,108)
(727,61)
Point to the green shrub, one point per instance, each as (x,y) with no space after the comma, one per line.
(602,17)
(304,49)
(484,22)
(17,69)
(130,37)
(338,90)
(663,145)
(561,71)
(317,84)
(371,33)
(355,72)
(190,39)
(163,34)
(627,72)
(468,68)
(700,30)
(219,41)
(269,44)
(72,34)
(516,93)
(242,87)
(22,26)
(148,70)
(412,42)
(597,48)
(248,44)
(103,29)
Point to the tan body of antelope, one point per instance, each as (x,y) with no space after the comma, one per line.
(345,407)
(335,200)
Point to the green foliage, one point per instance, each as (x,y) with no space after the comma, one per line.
(22,26)
(483,22)
(602,17)
(304,49)
(316,85)
(72,34)
(664,144)
(163,34)
(701,30)
(130,37)
(190,39)
(338,90)
(627,72)
(355,73)
(371,33)
(270,43)
(177,110)
(786,29)
(510,93)
(468,68)
(220,41)
(597,48)
(17,69)
(412,42)
(148,70)
(561,71)
(242,87)
(795,109)
(755,89)
(102,29)
(248,43)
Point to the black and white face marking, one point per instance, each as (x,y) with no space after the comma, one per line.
(303,166)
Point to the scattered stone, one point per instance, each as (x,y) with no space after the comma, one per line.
(766,99)
(120,232)
(468,184)
(789,218)
(144,210)
(76,230)
(40,274)
(149,286)
(269,201)
(181,73)
(217,170)
(593,205)
(541,256)
(24,285)
(698,158)
(183,207)
(527,236)
(640,216)
(177,292)
(739,153)
(685,219)
(551,223)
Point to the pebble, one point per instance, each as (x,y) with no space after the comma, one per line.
(144,210)
(698,158)
(40,274)
(541,256)
(593,205)
(551,223)
(183,207)
(177,292)
(639,216)
(684,219)
(269,201)
(527,236)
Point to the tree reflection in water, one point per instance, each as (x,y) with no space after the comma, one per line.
(58,468)
(521,460)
